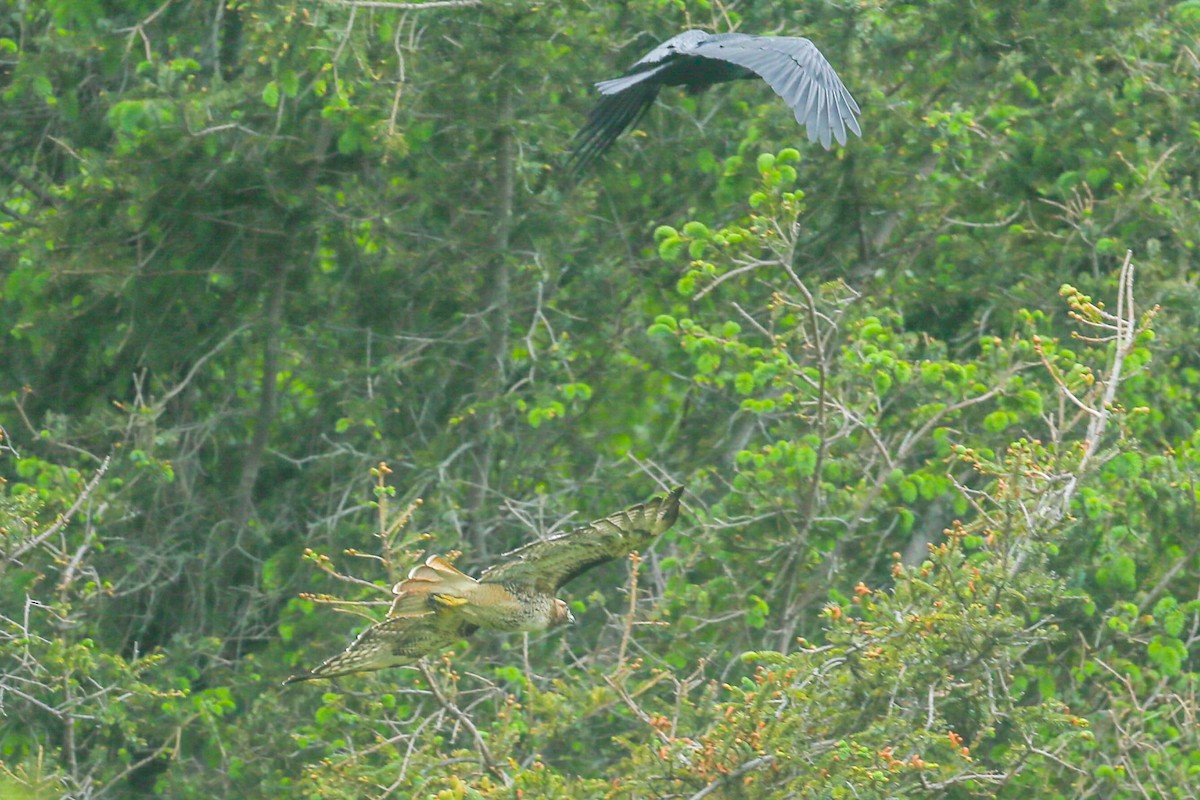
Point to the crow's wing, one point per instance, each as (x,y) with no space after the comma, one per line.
(798,73)
(392,643)
(626,99)
(649,66)
(607,120)
(617,85)
(682,44)
(546,565)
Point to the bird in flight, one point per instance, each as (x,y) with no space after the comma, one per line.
(436,605)
(696,60)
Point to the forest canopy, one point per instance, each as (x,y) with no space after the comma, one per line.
(293,294)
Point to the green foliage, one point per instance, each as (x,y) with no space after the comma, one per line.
(922,687)
(78,715)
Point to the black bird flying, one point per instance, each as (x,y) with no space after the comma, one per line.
(694,59)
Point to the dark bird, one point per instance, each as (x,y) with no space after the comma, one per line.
(696,60)
(437,605)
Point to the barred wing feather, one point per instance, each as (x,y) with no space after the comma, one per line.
(548,564)
(393,643)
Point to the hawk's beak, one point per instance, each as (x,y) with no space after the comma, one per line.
(570,617)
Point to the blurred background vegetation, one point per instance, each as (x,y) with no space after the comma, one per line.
(939,432)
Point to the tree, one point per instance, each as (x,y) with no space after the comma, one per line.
(249,252)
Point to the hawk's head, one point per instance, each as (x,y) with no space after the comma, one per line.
(560,614)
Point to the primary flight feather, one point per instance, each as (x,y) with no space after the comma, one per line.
(436,605)
(791,66)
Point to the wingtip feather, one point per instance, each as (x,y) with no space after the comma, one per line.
(668,509)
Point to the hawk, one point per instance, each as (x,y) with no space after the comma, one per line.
(436,605)
(696,60)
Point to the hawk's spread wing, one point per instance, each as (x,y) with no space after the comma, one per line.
(436,605)
(548,564)
(392,643)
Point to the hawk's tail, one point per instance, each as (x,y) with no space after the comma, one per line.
(435,576)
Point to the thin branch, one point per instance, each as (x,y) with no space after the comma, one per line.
(749,766)
(179,387)
(639,712)
(406,6)
(635,561)
(37,191)
(62,521)
(171,743)
(1126,335)
(448,705)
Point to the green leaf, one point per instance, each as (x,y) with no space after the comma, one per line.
(669,248)
(708,363)
(996,421)
(1119,574)
(289,81)
(1167,653)
(270,94)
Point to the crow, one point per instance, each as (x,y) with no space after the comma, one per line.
(695,59)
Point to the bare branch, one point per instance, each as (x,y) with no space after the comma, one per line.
(749,766)
(451,708)
(62,521)
(406,6)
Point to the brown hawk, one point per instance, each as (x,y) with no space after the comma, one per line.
(436,605)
